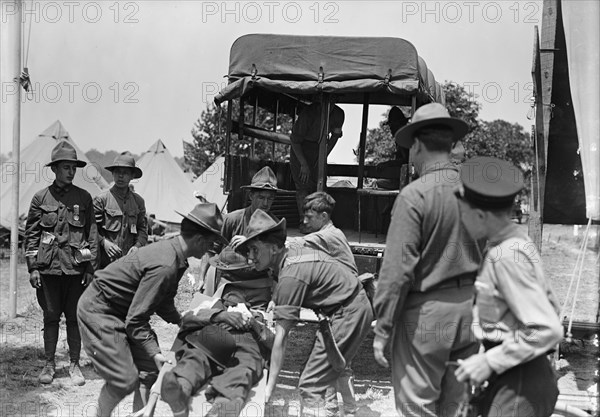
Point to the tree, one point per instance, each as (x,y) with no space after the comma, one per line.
(498,138)
(208,137)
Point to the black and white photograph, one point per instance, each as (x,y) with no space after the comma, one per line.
(299,208)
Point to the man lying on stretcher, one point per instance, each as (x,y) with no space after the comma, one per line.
(220,343)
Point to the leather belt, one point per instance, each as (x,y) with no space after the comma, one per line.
(464,280)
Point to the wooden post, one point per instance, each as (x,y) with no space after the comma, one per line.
(14,40)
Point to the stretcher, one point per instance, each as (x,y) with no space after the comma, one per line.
(199,405)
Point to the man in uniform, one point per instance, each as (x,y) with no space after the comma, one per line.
(304,155)
(231,383)
(425,287)
(323,235)
(516,313)
(61,248)
(308,278)
(120,213)
(395,121)
(262,192)
(114,312)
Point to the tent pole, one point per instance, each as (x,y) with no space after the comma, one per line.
(15,46)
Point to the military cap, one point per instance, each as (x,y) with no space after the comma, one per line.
(64,151)
(261,224)
(490,183)
(263,180)
(125,160)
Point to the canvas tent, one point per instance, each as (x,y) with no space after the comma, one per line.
(34,175)
(164,186)
(210,183)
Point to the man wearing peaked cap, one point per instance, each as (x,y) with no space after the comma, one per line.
(311,278)
(61,249)
(231,384)
(120,213)
(428,271)
(114,312)
(513,299)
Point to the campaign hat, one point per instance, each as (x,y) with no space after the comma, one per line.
(490,183)
(125,160)
(261,224)
(64,151)
(207,216)
(263,180)
(216,342)
(432,114)
(229,260)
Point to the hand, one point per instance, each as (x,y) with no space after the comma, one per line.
(112,250)
(237,240)
(232,318)
(304,173)
(160,360)
(379,344)
(87,278)
(475,369)
(34,279)
(133,249)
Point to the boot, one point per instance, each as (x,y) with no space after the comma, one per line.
(176,392)
(47,375)
(75,374)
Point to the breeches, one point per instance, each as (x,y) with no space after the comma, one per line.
(122,363)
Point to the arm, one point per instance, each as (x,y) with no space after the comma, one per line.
(142,223)
(33,233)
(99,205)
(523,290)
(402,255)
(277,355)
(155,288)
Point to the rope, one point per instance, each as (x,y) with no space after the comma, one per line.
(567,297)
(585,239)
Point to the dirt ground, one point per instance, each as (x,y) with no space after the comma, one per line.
(21,348)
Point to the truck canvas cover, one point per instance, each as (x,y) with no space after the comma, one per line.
(388,68)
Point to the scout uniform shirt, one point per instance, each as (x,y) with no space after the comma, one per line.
(60,222)
(141,284)
(515,307)
(122,220)
(310,278)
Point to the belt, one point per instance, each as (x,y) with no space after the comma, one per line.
(349,300)
(460,281)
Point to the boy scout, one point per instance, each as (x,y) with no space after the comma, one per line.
(114,312)
(120,213)
(516,313)
(308,278)
(61,243)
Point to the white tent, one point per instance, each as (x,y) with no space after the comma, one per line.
(34,175)
(164,186)
(210,183)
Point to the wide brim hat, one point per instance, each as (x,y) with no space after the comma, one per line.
(229,260)
(216,342)
(125,160)
(208,216)
(432,114)
(261,224)
(264,180)
(64,151)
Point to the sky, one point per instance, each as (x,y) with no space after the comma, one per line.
(120,75)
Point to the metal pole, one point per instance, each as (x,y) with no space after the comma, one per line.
(14,40)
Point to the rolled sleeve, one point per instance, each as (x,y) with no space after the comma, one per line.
(288,298)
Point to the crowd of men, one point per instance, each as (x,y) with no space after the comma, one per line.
(452,305)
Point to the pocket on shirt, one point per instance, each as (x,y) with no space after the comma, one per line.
(49,215)
(489,306)
(45,254)
(132,217)
(76,227)
(113,220)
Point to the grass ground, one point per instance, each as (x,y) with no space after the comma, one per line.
(21,348)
